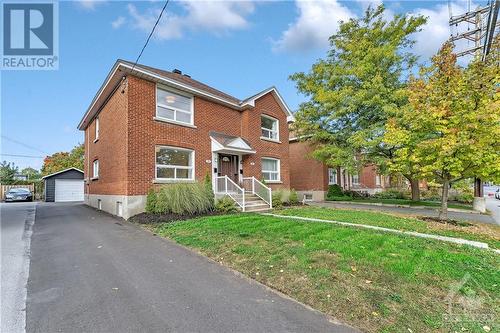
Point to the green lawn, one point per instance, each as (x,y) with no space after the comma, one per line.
(403,202)
(489,234)
(378,282)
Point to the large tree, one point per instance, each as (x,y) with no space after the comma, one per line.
(356,88)
(31,173)
(64,160)
(451,128)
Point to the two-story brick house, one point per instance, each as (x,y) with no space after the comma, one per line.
(147,127)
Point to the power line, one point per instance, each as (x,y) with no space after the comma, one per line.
(23,144)
(28,156)
(151,34)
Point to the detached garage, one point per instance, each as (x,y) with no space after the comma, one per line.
(64,186)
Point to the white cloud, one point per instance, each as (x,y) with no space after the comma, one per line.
(214,16)
(90,4)
(317,21)
(118,22)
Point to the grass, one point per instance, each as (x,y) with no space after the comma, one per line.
(375,281)
(404,202)
(489,234)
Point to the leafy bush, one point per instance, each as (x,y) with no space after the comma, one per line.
(464,198)
(391,194)
(334,191)
(184,198)
(432,194)
(277,198)
(151,201)
(226,205)
(293,198)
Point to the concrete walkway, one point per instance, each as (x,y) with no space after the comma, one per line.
(91,272)
(430,212)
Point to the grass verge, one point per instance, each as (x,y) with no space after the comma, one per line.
(489,234)
(433,204)
(375,281)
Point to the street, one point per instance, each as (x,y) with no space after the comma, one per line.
(93,272)
(16,221)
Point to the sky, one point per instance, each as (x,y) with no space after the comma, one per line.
(239,47)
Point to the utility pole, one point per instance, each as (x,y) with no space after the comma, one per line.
(486,26)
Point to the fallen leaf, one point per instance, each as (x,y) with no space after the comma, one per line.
(353,268)
(100,246)
(375,314)
(486,328)
(114,288)
(368,281)
(281,271)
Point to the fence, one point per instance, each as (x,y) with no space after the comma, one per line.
(5,188)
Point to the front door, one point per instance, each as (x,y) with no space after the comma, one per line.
(228,166)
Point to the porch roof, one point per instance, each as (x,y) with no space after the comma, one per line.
(230,144)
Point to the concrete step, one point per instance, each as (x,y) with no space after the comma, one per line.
(258,210)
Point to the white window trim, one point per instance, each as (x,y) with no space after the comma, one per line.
(193,158)
(279,170)
(177,92)
(94,174)
(96,130)
(378,180)
(336,177)
(267,129)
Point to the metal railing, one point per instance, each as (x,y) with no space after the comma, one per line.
(225,185)
(253,185)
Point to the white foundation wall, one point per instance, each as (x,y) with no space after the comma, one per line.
(130,205)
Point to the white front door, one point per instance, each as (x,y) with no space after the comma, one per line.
(69,190)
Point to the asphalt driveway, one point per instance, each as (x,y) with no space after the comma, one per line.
(95,273)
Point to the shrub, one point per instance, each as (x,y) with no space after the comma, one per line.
(464,198)
(277,199)
(208,185)
(151,201)
(184,198)
(226,205)
(391,194)
(334,191)
(293,198)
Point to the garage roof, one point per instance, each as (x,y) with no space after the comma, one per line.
(62,171)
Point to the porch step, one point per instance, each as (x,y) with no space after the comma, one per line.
(258,209)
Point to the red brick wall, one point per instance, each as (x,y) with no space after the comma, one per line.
(306,173)
(110,149)
(134,165)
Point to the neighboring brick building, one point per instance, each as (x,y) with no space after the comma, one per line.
(146,127)
(311,177)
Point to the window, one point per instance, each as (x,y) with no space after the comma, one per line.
(174,163)
(271,169)
(96,128)
(95,169)
(174,107)
(332,176)
(377,180)
(355,179)
(270,127)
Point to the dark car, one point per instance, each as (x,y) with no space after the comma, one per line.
(18,194)
(497,194)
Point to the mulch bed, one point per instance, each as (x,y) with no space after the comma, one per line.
(452,222)
(148,218)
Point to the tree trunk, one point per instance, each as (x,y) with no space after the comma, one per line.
(443,214)
(415,190)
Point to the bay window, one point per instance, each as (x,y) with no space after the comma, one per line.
(174,107)
(271,169)
(174,163)
(269,127)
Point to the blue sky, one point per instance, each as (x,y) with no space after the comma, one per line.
(237,47)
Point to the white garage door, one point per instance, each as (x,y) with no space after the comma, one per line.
(69,190)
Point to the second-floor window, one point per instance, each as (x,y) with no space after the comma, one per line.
(269,127)
(174,107)
(96,128)
(95,169)
(174,163)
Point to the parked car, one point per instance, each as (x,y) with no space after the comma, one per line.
(497,194)
(18,194)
